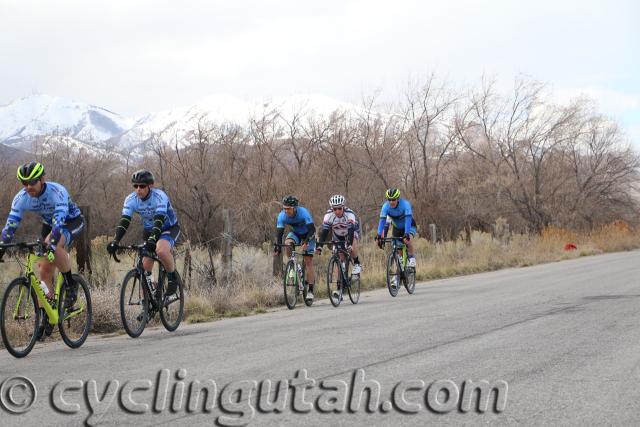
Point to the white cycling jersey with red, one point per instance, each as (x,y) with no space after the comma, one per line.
(340,225)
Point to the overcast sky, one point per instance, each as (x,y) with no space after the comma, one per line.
(134,56)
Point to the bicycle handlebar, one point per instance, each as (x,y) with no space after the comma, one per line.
(22,245)
(127,248)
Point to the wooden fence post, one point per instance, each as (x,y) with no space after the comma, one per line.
(277,264)
(432,233)
(83,244)
(228,244)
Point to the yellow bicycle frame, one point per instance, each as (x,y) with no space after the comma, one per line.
(52,314)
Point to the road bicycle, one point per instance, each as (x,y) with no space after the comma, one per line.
(27,315)
(293,281)
(339,275)
(397,269)
(141,298)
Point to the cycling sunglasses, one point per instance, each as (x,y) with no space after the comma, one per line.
(31,182)
(338,208)
(140,186)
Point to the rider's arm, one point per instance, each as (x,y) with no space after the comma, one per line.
(311,230)
(13,221)
(279,234)
(158,220)
(121,229)
(350,231)
(160,214)
(383,218)
(323,236)
(407,224)
(408,218)
(58,220)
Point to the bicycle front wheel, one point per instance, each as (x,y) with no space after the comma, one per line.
(20,318)
(410,279)
(354,288)
(75,316)
(172,306)
(134,303)
(394,273)
(290,284)
(334,281)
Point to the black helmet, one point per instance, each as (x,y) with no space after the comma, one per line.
(30,171)
(142,176)
(290,201)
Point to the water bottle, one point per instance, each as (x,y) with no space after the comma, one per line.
(149,276)
(45,289)
(344,267)
(299,267)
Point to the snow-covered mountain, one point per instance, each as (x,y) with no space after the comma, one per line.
(35,116)
(39,115)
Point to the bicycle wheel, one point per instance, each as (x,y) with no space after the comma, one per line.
(410,279)
(354,288)
(334,285)
(75,321)
(394,273)
(290,284)
(20,318)
(134,303)
(171,307)
(305,285)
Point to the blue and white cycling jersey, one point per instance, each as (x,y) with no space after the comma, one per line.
(156,203)
(54,206)
(299,222)
(401,216)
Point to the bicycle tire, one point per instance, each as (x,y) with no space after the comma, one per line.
(393,270)
(128,315)
(166,302)
(333,280)
(354,288)
(29,335)
(80,329)
(410,279)
(290,285)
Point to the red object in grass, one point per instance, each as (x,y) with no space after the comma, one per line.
(570,247)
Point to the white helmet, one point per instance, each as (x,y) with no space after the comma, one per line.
(336,200)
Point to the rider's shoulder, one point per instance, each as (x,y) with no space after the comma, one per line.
(56,188)
(159,194)
(131,197)
(20,196)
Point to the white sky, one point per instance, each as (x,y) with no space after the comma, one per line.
(136,56)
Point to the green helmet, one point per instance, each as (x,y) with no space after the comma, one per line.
(392,194)
(30,171)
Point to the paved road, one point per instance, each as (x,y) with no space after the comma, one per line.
(564,337)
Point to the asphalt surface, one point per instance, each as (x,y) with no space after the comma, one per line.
(560,342)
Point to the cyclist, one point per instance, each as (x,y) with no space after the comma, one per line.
(400,213)
(161,228)
(302,233)
(62,223)
(344,225)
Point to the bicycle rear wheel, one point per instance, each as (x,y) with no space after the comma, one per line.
(171,307)
(20,318)
(75,320)
(290,284)
(334,279)
(394,273)
(134,303)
